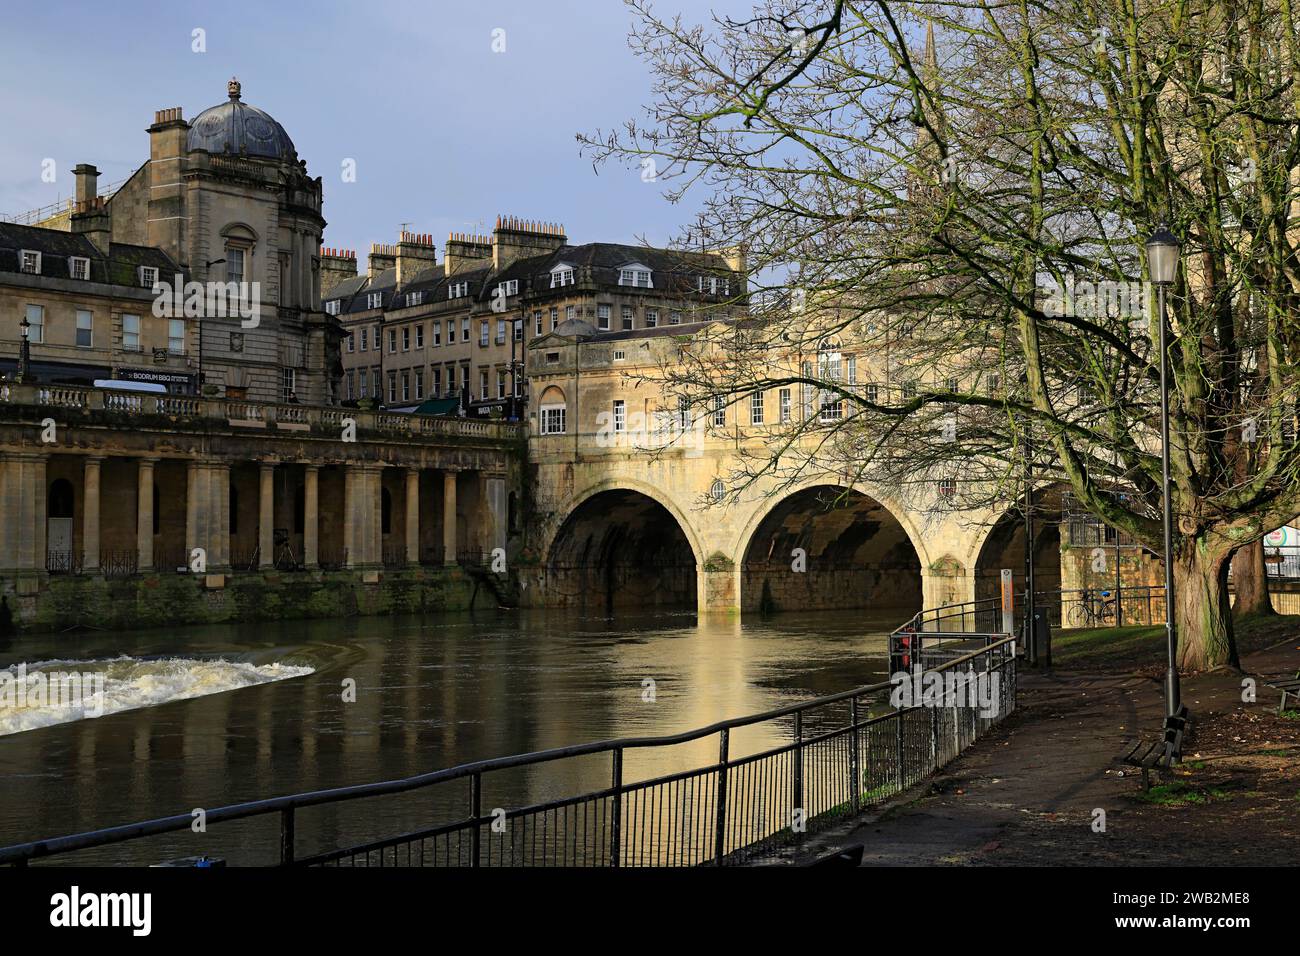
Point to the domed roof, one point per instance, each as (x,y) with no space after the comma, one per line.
(236,127)
(575,328)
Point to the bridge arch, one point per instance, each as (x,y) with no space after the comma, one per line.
(828,544)
(1003,546)
(622,545)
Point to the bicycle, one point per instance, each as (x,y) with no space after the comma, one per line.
(1093,609)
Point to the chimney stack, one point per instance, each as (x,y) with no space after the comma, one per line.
(515,238)
(87,178)
(167,217)
(415,253)
(465,251)
(90,216)
(382,258)
(336,265)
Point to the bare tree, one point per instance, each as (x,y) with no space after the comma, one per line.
(966,219)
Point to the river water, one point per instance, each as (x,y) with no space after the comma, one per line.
(208,716)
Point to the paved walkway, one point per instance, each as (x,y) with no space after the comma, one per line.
(1027,793)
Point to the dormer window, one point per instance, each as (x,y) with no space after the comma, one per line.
(148,276)
(508,288)
(414,298)
(561,275)
(79,267)
(332,307)
(713,285)
(30,262)
(458,290)
(374,300)
(637,276)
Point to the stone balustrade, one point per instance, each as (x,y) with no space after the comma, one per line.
(257,414)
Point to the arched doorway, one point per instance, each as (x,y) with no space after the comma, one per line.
(620,550)
(828,547)
(60,509)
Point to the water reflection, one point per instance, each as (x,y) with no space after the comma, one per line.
(431,692)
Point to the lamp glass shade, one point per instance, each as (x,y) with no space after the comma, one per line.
(23,326)
(1162,256)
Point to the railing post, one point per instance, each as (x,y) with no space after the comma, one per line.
(286,836)
(855,787)
(475,811)
(720,824)
(898,770)
(934,738)
(798,761)
(616,818)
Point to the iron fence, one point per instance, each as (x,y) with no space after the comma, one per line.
(837,755)
(63,562)
(118,562)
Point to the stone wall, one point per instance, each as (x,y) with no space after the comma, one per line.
(170,599)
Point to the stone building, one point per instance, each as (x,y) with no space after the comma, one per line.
(419,333)
(223,201)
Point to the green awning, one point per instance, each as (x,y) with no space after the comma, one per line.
(438,406)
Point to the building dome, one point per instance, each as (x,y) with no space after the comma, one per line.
(575,329)
(236,127)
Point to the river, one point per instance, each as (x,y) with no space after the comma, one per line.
(208,716)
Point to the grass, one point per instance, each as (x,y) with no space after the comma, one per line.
(1116,648)
(1180,793)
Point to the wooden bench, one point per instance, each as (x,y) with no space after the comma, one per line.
(1159,754)
(1290,687)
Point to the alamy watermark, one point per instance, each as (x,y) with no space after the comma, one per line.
(639,431)
(20,690)
(1107,298)
(208,300)
(951,688)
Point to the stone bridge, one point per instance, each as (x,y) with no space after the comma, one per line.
(621,527)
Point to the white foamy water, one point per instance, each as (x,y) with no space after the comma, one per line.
(127,683)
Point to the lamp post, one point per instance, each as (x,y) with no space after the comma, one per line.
(1162,261)
(25,351)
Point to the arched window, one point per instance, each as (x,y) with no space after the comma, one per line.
(61,499)
(552,412)
(386,512)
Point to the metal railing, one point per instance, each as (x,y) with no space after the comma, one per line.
(836,757)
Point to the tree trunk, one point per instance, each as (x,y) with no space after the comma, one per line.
(1202,611)
(1250,581)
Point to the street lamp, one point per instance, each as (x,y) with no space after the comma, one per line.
(25,351)
(1162,261)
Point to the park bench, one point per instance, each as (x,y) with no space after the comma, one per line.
(1290,687)
(1160,753)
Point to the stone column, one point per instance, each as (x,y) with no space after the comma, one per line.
(22,498)
(311,516)
(207,512)
(363,512)
(144,513)
(90,513)
(266,515)
(449,517)
(412,516)
(482,522)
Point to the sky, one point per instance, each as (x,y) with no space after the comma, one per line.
(445,133)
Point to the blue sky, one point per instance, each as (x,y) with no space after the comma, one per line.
(445,133)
